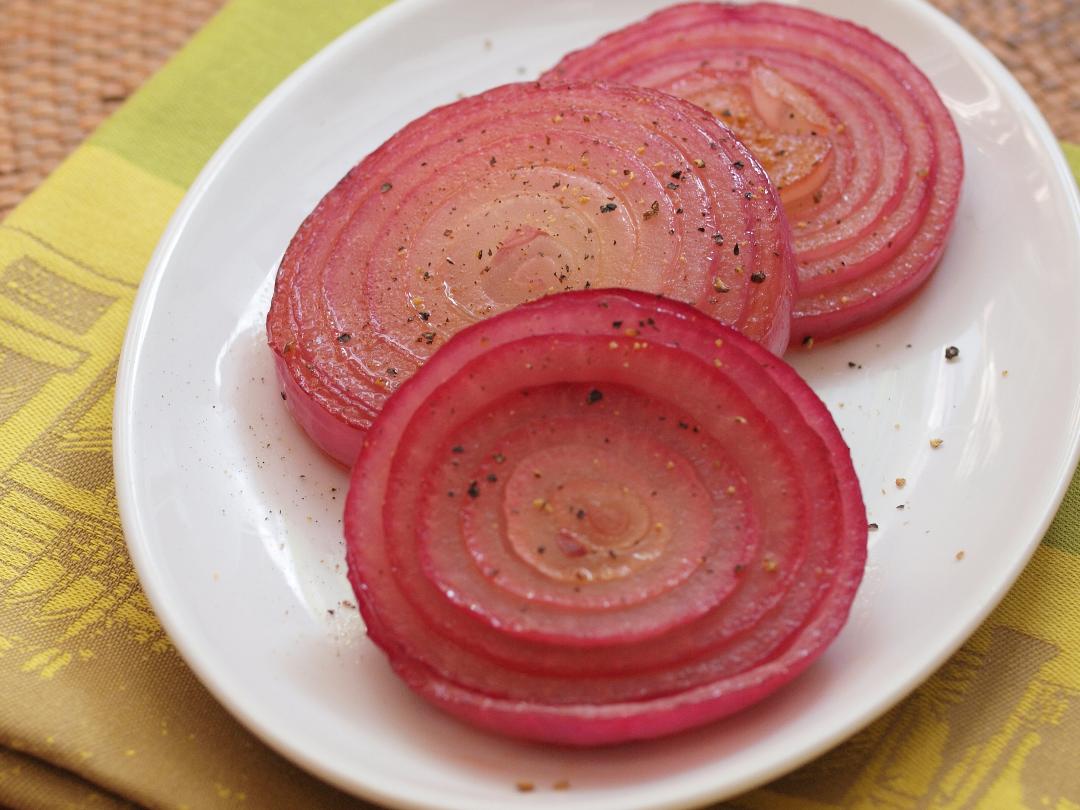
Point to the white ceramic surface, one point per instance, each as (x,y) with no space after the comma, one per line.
(233,520)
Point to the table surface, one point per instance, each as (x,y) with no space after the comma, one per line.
(65,65)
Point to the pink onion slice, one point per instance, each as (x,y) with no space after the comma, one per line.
(866,157)
(504,197)
(596,425)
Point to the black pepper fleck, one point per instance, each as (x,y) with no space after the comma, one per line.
(952,353)
(595,395)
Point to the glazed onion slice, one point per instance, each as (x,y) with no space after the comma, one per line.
(602,516)
(864,153)
(505,197)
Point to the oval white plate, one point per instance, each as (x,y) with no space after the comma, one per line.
(234,521)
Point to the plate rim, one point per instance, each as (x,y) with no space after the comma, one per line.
(140,546)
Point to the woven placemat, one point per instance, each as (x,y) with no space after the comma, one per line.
(1039,41)
(67,64)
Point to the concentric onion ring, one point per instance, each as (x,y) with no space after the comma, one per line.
(605,471)
(505,197)
(866,157)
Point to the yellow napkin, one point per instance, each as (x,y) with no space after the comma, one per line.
(97,709)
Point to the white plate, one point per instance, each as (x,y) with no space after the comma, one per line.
(233,520)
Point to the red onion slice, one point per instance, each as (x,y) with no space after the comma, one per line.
(866,157)
(504,197)
(525,420)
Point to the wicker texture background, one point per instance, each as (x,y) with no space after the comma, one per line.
(67,64)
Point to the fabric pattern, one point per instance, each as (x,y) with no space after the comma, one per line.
(99,711)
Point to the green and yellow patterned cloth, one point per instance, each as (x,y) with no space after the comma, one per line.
(97,708)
